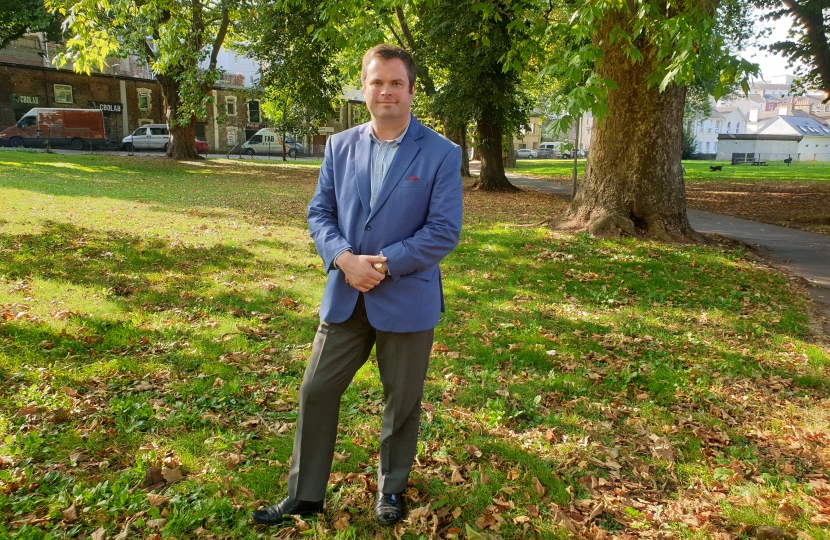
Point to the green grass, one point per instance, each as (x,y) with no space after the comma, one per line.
(696,171)
(160,314)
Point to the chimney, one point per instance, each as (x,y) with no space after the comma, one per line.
(753,115)
(784,110)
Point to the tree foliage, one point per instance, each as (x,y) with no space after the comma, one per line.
(178,39)
(20,17)
(694,43)
(808,40)
(470,55)
(300,79)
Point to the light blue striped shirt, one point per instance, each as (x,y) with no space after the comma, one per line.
(382,155)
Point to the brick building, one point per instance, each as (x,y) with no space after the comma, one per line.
(129,96)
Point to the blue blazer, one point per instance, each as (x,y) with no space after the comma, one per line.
(415,222)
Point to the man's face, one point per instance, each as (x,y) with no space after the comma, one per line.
(386,90)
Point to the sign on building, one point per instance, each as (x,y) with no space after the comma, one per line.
(22,99)
(106,107)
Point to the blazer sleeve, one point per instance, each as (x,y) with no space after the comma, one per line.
(322,215)
(442,229)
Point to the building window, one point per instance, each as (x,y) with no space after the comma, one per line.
(717,126)
(738,127)
(715,147)
(253,111)
(729,127)
(707,147)
(230,104)
(708,126)
(63,93)
(145,99)
(701,126)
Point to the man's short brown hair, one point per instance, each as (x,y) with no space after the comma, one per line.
(388,52)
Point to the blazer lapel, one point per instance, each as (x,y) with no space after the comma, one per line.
(406,153)
(363,159)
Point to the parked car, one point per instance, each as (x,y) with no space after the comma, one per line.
(298,148)
(153,137)
(266,142)
(147,137)
(76,128)
(525,153)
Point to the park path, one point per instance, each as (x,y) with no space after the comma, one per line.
(804,254)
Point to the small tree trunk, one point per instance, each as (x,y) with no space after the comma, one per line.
(491,177)
(182,137)
(634,184)
(459,137)
(509,157)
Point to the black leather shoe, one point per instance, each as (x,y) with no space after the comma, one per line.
(389,508)
(281,511)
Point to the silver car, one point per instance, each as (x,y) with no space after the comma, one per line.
(147,137)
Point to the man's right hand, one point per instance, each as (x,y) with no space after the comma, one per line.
(359,271)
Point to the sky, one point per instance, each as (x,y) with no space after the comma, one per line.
(771,64)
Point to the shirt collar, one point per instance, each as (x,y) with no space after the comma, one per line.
(397,141)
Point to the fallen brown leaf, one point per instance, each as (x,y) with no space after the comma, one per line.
(172,475)
(70,514)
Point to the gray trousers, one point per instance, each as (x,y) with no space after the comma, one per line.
(339,350)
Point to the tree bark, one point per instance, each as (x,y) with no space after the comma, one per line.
(182,137)
(491,177)
(634,183)
(458,135)
(508,156)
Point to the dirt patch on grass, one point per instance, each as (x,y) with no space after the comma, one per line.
(799,206)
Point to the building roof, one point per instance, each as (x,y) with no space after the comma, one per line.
(818,118)
(795,125)
(758,137)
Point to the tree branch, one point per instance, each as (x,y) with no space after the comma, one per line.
(220,37)
(405,28)
(397,37)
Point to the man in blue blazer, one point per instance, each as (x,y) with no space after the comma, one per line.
(387,209)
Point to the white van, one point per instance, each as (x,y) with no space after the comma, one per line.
(548,149)
(266,141)
(147,137)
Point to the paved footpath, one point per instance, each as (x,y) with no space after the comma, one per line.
(804,254)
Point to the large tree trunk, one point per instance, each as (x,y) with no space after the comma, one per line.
(491,177)
(634,183)
(182,137)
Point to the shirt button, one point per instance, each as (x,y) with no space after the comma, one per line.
(368,227)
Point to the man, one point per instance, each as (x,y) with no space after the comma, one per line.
(387,209)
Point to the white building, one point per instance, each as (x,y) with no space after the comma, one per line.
(721,120)
(795,136)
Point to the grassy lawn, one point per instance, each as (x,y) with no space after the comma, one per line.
(156,318)
(696,171)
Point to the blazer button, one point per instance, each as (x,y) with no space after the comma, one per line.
(368,227)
